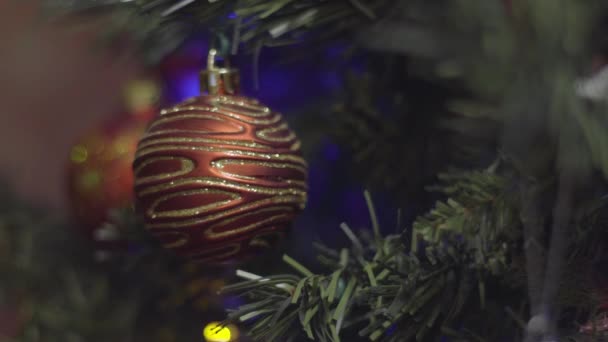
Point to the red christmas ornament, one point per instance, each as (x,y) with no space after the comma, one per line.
(100,176)
(13,319)
(220,176)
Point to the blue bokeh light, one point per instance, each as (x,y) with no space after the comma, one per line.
(233,302)
(275,86)
(330,80)
(331,151)
(185,86)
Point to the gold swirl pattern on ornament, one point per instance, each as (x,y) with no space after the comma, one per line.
(187,166)
(220,164)
(223,183)
(182,239)
(289,199)
(173,131)
(240,143)
(188,101)
(154,213)
(248,228)
(265,156)
(218,253)
(296,146)
(213,234)
(273,118)
(247,107)
(264,134)
(277,179)
(176,118)
(169,110)
(281,196)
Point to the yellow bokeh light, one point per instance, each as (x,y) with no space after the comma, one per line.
(90,180)
(79,154)
(141,94)
(214,332)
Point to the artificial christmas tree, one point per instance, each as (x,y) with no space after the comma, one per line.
(484,103)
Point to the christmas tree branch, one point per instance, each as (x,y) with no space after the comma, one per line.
(477,211)
(161,25)
(557,252)
(532,219)
(419,293)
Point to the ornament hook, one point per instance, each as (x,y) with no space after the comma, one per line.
(211,59)
(219,80)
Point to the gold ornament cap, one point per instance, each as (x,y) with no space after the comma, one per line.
(219,80)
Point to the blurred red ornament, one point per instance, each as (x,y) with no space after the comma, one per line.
(15,313)
(219,177)
(596,325)
(100,176)
(12,322)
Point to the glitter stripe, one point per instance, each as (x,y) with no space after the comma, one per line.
(241,143)
(213,234)
(265,134)
(220,164)
(273,117)
(153,213)
(169,148)
(175,118)
(187,166)
(247,105)
(296,146)
(296,200)
(182,239)
(223,183)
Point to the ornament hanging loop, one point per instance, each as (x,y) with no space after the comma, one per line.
(219,80)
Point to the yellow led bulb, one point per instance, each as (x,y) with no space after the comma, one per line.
(214,332)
